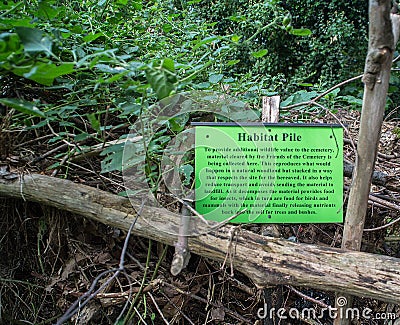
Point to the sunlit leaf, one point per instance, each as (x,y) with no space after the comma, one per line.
(237,18)
(300,32)
(232,62)
(106,68)
(22,106)
(260,53)
(168,64)
(177,124)
(162,78)
(82,136)
(166,28)
(92,37)
(45,73)
(235,38)
(206,40)
(94,121)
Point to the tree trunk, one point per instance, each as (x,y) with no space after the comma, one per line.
(376,83)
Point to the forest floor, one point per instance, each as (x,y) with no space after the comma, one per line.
(50,258)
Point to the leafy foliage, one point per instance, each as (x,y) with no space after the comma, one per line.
(89,70)
(119,57)
(335,51)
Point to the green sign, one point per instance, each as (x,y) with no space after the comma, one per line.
(276,173)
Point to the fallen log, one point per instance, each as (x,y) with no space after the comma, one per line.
(391,183)
(266,260)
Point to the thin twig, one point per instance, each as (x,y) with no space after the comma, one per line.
(222,223)
(62,162)
(384,226)
(57,135)
(312,101)
(382,202)
(205,301)
(339,121)
(308,298)
(337,86)
(140,317)
(189,207)
(50,152)
(217,226)
(229,254)
(90,294)
(158,308)
(380,155)
(385,203)
(178,308)
(33,140)
(98,175)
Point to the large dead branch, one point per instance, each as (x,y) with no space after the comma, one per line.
(265,260)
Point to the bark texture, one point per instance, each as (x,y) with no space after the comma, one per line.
(266,260)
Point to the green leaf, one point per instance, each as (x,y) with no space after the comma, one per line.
(215,78)
(10,45)
(235,38)
(237,18)
(34,40)
(22,106)
(260,53)
(82,136)
(106,68)
(8,23)
(92,37)
(287,19)
(206,40)
(46,10)
(112,162)
(232,62)
(112,149)
(162,78)
(94,121)
(300,32)
(44,73)
(177,123)
(166,28)
(137,5)
(129,193)
(299,97)
(202,85)
(168,64)
(120,156)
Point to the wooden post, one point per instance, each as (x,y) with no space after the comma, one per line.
(270,109)
(270,114)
